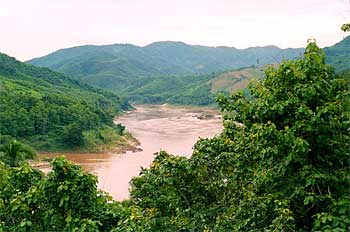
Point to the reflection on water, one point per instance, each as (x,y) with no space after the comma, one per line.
(157,127)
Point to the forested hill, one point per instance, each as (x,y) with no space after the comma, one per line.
(49,109)
(338,55)
(116,66)
(190,89)
(175,72)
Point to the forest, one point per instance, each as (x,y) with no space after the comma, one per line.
(280,164)
(53,112)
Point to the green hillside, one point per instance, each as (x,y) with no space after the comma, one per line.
(50,110)
(175,72)
(118,66)
(338,55)
(181,90)
(234,80)
(190,89)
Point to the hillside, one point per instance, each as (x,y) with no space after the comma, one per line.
(190,89)
(234,80)
(50,110)
(181,90)
(175,72)
(118,66)
(338,55)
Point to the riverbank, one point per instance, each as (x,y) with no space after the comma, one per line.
(166,127)
(119,145)
(123,144)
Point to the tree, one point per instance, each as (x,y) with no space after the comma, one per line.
(66,199)
(345,27)
(73,134)
(15,153)
(281,163)
(297,147)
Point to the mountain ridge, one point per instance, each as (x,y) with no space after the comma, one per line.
(187,71)
(115,66)
(162,42)
(338,55)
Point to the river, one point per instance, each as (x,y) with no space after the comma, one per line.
(157,127)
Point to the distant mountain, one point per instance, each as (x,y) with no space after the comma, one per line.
(118,66)
(190,89)
(175,72)
(53,111)
(338,55)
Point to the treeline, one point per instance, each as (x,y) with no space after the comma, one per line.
(281,164)
(52,111)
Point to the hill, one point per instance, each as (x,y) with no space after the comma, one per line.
(50,110)
(234,80)
(338,55)
(190,89)
(118,66)
(175,72)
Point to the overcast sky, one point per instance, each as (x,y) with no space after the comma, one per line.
(32,28)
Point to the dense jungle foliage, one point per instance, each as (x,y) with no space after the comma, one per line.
(281,164)
(52,111)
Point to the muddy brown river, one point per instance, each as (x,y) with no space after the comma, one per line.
(157,127)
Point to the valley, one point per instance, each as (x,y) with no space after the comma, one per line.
(156,127)
(175,137)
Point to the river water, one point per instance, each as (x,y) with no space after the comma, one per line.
(157,127)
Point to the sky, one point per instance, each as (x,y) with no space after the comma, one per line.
(33,28)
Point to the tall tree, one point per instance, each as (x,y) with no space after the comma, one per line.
(281,163)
